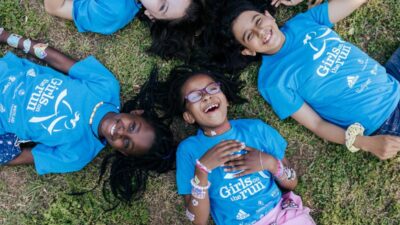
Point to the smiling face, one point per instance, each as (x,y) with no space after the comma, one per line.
(258,33)
(165,9)
(129,133)
(211,111)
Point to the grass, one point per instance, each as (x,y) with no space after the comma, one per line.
(339,187)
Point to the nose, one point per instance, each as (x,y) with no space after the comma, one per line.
(206,96)
(120,131)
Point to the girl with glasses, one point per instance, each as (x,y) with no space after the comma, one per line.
(233,169)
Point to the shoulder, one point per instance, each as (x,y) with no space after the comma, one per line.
(186,146)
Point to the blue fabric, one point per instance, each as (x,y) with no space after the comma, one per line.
(338,80)
(9,149)
(392,125)
(53,110)
(393,65)
(234,200)
(103,16)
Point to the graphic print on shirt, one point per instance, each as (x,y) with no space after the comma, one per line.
(332,57)
(63,116)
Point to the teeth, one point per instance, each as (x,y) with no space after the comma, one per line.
(210,107)
(113,129)
(267,36)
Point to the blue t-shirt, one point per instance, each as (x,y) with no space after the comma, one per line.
(103,16)
(248,198)
(338,80)
(40,104)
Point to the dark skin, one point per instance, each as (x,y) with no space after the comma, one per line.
(55,59)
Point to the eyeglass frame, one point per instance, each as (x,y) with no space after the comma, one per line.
(204,91)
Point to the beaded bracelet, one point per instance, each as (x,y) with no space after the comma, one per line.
(351,133)
(13,40)
(202,167)
(199,191)
(27,45)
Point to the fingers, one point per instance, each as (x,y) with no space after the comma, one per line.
(229,147)
(286,2)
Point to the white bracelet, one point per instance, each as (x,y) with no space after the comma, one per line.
(352,132)
(27,45)
(13,40)
(1,30)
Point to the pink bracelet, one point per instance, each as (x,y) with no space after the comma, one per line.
(279,171)
(202,167)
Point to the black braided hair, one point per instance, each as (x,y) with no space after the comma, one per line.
(128,174)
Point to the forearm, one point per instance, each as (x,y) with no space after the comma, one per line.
(340,9)
(284,174)
(42,51)
(330,132)
(198,207)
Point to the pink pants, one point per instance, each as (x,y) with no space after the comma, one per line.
(289,211)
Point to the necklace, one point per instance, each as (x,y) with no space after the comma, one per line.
(218,131)
(96,107)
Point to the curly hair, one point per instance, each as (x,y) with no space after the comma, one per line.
(128,174)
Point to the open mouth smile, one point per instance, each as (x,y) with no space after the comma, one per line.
(211,107)
(267,36)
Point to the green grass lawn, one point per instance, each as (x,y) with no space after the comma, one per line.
(339,187)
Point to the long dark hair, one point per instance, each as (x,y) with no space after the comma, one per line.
(128,174)
(171,98)
(221,49)
(176,38)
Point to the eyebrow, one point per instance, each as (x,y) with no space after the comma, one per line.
(252,21)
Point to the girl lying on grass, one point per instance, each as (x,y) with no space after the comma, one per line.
(233,168)
(72,118)
(107,17)
(325,83)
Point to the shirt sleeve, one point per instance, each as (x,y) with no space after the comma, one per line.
(275,143)
(185,167)
(284,100)
(320,14)
(97,78)
(59,159)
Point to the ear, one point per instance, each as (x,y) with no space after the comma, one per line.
(248,52)
(188,117)
(148,14)
(137,112)
(267,14)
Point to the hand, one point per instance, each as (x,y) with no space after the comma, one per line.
(251,162)
(221,153)
(382,146)
(310,3)
(277,3)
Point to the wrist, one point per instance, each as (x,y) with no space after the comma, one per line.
(360,142)
(269,163)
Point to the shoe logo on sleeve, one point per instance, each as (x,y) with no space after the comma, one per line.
(241,215)
(352,80)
